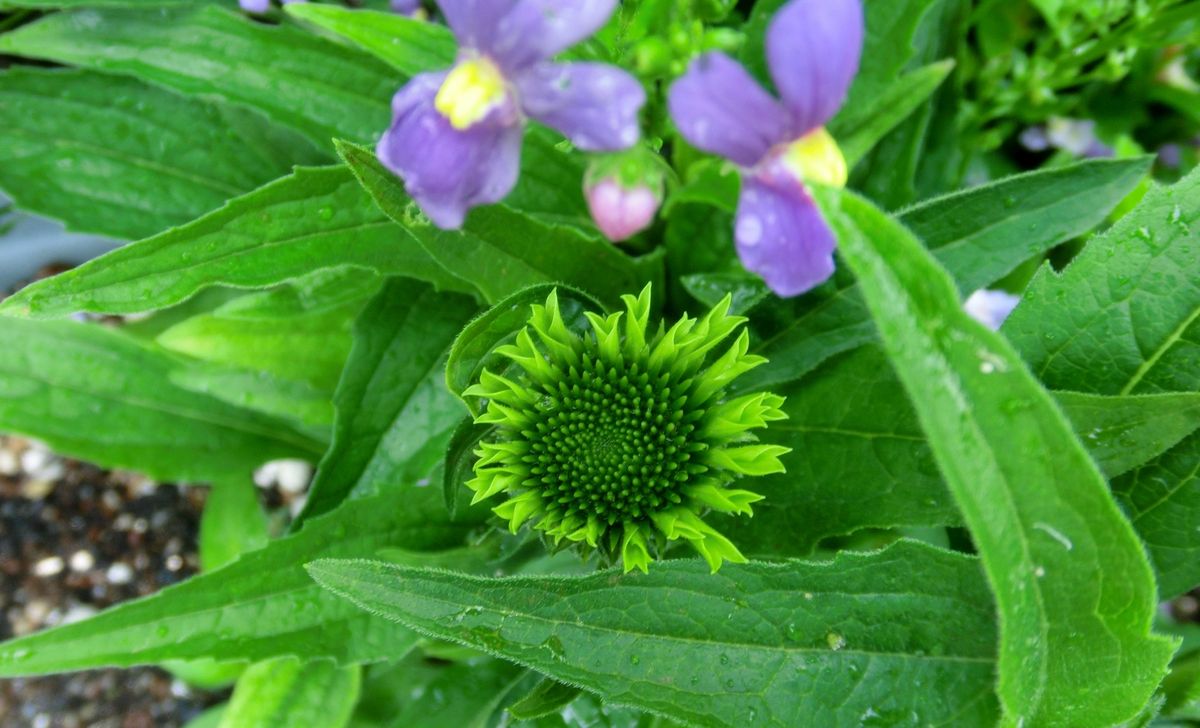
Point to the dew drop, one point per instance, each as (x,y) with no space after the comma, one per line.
(724,659)
(835,641)
(162,630)
(325,213)
(634,659)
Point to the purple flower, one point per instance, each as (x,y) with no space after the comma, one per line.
(990,308)
(455,136)
(255,6)
(405,7)
(813,47)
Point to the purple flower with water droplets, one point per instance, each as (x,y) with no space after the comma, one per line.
(455,137)
(813,48)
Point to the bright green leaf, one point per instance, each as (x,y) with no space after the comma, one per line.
(409,45)
(860,127)
(314,219)
(1074,590)
(259,607)
(286,692)
(783,644)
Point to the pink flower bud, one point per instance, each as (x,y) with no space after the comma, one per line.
(621,212)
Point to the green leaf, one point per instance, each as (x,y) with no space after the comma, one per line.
(286,692)
(56,375)
(394,414)
(295,78)
(546,698)
(500,250)
(232,524)
(409,45)
(117,157)
(1106,324)
(314,219)
(860,127)
(1074,648)
(979,234)
(259,607)
(1162,499)
(299,332)
(306,407)
(1123,432)
(776,643)
(417,692)
(859,458)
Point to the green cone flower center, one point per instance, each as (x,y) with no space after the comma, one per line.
(610,444)
(620,439)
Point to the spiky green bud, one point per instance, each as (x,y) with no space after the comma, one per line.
(621,439)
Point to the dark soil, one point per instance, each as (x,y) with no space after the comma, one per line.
(74,540)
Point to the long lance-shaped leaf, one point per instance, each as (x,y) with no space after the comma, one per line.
(1074,590)
(979,235)
(801,643)
(314,219)
(259,607)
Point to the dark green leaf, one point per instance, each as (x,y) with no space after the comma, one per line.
(261,606)
(56,375)
(117,157)
(314,219)
(417,692)
(1123,432)
(780,644)
(860,127)
(500,250)
(1073,648)
(546,698)
(394,414)
(979,235)
(321,89)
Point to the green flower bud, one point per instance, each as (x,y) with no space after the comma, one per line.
(621,439)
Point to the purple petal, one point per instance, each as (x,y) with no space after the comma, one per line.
(474,22)
(445,170)
(255,6)
(536,30)
(721,109)
(782,237)
(813,48)
(595,105)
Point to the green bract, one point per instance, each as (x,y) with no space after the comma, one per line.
(620,439)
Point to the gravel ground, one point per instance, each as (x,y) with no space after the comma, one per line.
(75,539)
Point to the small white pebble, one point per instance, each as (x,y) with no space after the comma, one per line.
(119,573)
(292,476)
(297,505)
(82,560)
(78,613)
(41,720)
(48,566)
(41,464)
(174,562)
(180,689)
(8,463)
(141,525)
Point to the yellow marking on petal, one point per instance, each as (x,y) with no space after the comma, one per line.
(472,89)
(816,157)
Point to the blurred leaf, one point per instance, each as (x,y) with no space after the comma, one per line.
(860,128)
(297,79)
(314,219)
(546,698)
(117,157)
(298,332)
(232,524)
(409,45)
(287,692)
(394,413)
(259,607)
(417,692)
(979,235)
(501,250)
(1073,648)
(778,643)
(56,375)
